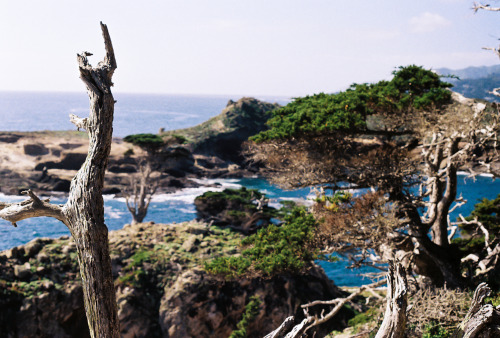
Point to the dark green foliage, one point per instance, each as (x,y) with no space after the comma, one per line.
(412,87)
(251,312)
(128,152)
(272,250)
(135,274)
(488,213)
(148,142)
(234,207)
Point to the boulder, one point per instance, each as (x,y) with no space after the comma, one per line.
(199,306)
(35,149)
(69,161)
(22,271)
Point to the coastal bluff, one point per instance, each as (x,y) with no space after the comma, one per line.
(46,161)
(162,288)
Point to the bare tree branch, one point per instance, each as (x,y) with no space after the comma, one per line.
(477,6)
(33,207)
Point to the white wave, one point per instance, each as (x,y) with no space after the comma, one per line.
(187,211)
(17,198)
(113,213)
(186,195)
(466,173)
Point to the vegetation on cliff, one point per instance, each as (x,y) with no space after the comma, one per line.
(243,210)
(223,135)
(275,249)
(411,88)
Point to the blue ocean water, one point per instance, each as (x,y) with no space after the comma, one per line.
(179,207)
(139,113)
(134,113)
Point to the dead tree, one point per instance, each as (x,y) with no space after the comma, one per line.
(142,189)
(482,320)
(393,325)
(83,213)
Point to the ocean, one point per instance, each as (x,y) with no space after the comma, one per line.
(139,113)
(134,113)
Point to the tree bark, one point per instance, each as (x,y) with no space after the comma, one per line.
(84,210)
(394,323)
(481,320)
(83,213)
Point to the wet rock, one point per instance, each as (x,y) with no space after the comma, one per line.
(9,137)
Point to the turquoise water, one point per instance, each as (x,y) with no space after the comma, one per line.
(141,113)
(179,207)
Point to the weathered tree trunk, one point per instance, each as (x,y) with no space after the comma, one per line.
(481,320)
(84,210)
(394,323)
(83,213)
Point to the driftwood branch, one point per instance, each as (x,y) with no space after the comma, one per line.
(311,321)
(282,329)
(33,207)
(481,320)
(339,304)
(79,122)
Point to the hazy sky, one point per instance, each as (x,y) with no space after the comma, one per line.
(247,47)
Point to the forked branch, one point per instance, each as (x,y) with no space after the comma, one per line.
(33,207)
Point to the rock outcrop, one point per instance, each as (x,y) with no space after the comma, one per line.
(223,135)
(162,290)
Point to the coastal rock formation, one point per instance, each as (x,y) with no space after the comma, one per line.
(223,135)
(162,290)
(46,161)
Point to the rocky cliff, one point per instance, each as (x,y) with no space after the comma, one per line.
(223,135)
(162,289)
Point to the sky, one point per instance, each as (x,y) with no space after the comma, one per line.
(246,47)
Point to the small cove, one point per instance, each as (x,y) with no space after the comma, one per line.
(178,207)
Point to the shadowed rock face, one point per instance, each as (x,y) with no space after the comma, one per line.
(241,119)
(223,135)
(162,290)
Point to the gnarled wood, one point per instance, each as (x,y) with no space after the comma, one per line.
(143,187)
(394,323)
(481,320)
(83,213)
(84,210)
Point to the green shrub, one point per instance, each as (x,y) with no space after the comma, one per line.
(412,87)
(434,330)
(272,250)
(251,311)
(488,213)
(146,141)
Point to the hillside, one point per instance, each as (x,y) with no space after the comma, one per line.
(474,82)
(223,135)
(162,289)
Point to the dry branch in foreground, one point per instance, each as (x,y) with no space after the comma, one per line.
(83,213)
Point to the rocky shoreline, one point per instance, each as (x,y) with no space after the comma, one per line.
(162,289)
(46,161)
